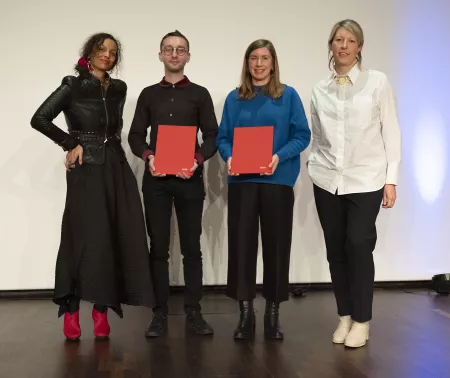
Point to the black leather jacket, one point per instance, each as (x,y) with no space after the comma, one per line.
(94,116)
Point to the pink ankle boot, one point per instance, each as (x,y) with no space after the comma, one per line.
(101,325)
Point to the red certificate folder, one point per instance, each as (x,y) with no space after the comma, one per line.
(175,149)
(252,150)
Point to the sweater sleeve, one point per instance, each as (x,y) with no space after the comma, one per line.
(225,135)
(299,133)
(42,119)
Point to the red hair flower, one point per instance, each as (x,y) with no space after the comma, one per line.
(83,62)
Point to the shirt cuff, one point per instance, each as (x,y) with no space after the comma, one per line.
(200,158)
(146,154)
(392,174)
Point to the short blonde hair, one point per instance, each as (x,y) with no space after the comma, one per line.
(273,88)
(354,28)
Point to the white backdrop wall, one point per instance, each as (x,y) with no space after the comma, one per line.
(406,39)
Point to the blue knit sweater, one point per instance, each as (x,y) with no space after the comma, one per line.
(291,131)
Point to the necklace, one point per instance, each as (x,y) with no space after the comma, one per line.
(341,80)
(106,81)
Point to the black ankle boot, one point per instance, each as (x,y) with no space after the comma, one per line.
(158,325)
(246,326)
(196,323)
(272,328)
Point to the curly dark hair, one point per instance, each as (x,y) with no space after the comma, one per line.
(92,45)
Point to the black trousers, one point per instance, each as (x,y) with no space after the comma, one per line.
(348,223)
(250,204)
(160,194)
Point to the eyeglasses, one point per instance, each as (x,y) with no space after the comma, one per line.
(169,50)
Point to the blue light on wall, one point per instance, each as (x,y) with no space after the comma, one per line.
(424,95)
(421,53)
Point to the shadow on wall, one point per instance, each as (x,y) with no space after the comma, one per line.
(307,231)
(214,217)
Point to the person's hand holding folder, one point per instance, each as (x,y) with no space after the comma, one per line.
(230,172)
(184,175)
(273,166)
(151,167)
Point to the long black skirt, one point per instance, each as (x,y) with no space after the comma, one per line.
(103,256)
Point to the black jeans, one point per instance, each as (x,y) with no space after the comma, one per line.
(160,194)
(348,223)
(250,204)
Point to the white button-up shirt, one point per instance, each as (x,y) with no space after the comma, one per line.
(356,140)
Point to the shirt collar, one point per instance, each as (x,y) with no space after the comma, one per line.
(184,82)
(353,74)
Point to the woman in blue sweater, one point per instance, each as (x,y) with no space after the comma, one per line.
(268,199)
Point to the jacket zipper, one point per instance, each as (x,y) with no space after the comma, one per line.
(106,112)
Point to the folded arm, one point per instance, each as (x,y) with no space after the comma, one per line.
(42,119)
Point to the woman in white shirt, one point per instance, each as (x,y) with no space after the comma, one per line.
(354,165)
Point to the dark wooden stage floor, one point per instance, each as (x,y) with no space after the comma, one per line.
(410,338)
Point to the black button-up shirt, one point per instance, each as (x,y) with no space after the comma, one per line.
(180,104)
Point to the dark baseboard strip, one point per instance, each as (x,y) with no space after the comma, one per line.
(295,287)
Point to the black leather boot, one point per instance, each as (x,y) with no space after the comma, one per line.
(246,326)
(272,328)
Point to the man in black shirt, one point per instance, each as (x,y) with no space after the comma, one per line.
(179,102)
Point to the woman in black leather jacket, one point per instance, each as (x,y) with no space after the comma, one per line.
(103,252)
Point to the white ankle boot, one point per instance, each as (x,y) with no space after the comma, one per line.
(342,330)
(358,335)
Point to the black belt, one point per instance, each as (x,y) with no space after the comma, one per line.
(92,136)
